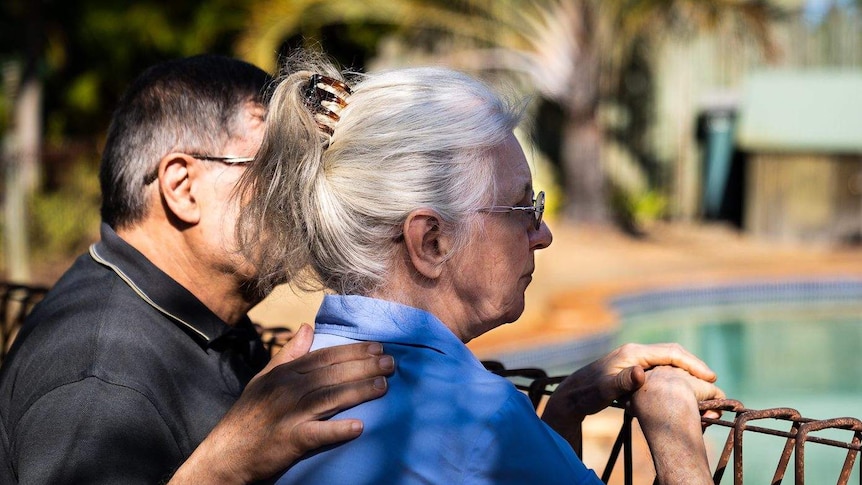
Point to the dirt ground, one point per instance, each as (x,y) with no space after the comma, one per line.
(585,266)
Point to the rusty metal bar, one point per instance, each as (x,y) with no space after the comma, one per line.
(615,450)
(837,423)
(16,301)
(628,452)
(795,438)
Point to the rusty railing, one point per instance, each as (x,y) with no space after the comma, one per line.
(798,432)
(16,301)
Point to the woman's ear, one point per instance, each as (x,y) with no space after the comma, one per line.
(176,177)
(427,243)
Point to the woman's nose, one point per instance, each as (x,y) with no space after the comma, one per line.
(541,237)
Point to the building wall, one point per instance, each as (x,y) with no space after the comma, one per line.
(703,70)
(804,198)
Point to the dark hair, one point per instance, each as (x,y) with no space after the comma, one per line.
(190,104)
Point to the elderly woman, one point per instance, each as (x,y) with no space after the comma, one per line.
(409,199)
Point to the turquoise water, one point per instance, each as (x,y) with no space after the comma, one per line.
(794,352)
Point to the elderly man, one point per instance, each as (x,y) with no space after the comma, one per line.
(141,366)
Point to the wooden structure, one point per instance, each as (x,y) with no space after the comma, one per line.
(696,72)
(802,132)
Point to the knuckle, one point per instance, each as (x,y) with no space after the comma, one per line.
(628,348)
(675,352)
(329,401)
(309,436)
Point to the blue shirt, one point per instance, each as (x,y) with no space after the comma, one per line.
(444,420)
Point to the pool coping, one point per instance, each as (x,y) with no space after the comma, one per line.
(580,325)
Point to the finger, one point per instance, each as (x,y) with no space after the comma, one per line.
(704,390)
(338,354)
(311,390)
(605,391)
(624,383)
(296,347)
(627,381)
(712,414)
(677,356)
(325,402)
(315,434)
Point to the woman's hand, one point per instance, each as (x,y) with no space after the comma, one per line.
(667,411)
(595,386)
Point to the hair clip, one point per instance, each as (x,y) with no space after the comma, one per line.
(325,98)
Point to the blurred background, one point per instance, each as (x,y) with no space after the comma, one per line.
(641,112)
(703,160)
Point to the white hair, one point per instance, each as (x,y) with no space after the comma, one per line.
(407,139)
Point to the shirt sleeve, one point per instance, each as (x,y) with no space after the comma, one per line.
(516,447)
(93,432)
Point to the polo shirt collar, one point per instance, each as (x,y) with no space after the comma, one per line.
(371,319)
(163,293)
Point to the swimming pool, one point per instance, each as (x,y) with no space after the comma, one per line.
(790,344)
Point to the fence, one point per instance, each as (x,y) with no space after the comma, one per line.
(798,432)
(16,301)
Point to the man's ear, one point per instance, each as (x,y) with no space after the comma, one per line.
(176,177)
(427,243)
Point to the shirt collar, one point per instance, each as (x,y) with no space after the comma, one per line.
(363,318)
(164,294)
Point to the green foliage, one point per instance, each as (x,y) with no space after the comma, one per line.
(574,54)
(86,52)
(649,206)
(635,209)
(83,94)
(66,220)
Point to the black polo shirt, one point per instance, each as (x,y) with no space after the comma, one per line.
(118,374)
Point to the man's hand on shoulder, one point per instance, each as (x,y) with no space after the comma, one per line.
(282,413)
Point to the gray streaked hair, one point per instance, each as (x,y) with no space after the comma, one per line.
(330,217)
(191,104)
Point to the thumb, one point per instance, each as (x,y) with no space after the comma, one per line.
(315,434)
(629,380)
(296,347)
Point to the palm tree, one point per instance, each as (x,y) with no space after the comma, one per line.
(569,50)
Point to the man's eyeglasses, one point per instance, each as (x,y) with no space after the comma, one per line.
(538,208)
(228,159)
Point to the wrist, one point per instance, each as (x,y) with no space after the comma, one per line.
(205,467)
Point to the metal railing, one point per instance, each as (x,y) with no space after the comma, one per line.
(798,431)
(16,301)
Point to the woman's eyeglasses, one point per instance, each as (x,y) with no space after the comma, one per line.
(538,208)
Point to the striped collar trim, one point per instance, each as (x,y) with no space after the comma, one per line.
(116,269)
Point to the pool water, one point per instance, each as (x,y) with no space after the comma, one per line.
(791,351)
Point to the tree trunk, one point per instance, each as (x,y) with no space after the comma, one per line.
(22,148)
(21,159)
(584,179)
(580,147)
